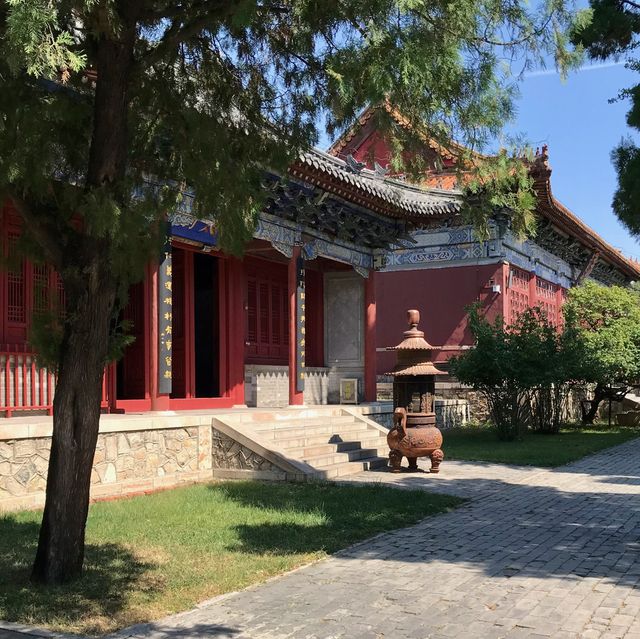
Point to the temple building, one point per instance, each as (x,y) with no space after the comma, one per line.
(281,326)
(447,268)
(272,366)
(340,251)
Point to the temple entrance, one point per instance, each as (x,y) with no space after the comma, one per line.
(206,326)
(196,325)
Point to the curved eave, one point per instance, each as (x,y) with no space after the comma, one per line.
(420,369)
(385,196)
(571,224)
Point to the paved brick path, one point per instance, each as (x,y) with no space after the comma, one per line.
(548,554)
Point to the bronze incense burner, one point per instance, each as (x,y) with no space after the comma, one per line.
(414,433)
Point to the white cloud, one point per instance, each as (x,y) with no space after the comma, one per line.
(587,67)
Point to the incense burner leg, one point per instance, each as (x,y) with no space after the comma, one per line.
(436,458)
(413,464)
(395,460)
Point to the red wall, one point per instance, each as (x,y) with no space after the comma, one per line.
(442,296)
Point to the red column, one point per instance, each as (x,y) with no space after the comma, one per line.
(235,330)
(295,398)
(506,318)
(559,318)
(158,401)
(533,291)
(370,364)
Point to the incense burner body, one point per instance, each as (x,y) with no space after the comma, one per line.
(414,433)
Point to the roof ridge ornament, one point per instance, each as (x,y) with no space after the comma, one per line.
(381,171)
(353,165)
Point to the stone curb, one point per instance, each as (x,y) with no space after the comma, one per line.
(23,629)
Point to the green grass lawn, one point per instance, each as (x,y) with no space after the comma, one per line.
(158,554)
(480,443)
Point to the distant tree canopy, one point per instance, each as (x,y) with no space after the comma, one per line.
(526,369)
(607,323)
(610,29)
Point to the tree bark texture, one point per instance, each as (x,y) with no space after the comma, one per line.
(589,414)
(90,289)
(76,418)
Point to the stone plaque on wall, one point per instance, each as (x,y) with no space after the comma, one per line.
(344,319)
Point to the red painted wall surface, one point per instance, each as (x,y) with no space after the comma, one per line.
(441,295)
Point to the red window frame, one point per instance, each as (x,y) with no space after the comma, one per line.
(547,300)
(518,298)
(266,297)
(25,288)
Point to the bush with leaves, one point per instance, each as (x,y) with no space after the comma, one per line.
(524,370)
(606,322)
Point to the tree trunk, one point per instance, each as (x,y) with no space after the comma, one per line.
(90,290)
(76,416)
(589,415)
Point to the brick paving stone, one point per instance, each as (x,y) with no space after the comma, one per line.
(547,553)
(535,553)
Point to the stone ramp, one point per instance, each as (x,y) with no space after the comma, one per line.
(296,444)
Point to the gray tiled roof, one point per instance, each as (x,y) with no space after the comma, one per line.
(416,201)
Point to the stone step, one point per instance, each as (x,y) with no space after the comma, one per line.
(296,445)
(298,414)
(335,459)
(309,450)
(352,436)
(351,468)
(302,423)
(298,432)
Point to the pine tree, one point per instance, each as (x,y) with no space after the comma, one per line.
(610,29)
(109,108)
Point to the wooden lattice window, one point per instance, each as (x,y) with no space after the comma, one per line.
(41,280)
(16,283)
(547,299)
(267,325)
(518,293)
(26,289)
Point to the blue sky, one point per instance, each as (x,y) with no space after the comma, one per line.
(575,119)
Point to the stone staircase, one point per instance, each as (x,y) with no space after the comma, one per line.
(318,443)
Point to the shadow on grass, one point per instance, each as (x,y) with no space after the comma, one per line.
(111,573)
(347,514)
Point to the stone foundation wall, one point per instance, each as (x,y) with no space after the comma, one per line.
(268,386)
(125,462)
(452,413)
(452,389)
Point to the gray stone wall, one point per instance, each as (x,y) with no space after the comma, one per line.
(125,462)
(452,413)
(23,466)
(477,402)
(268,386)
(138,455)
(229,454)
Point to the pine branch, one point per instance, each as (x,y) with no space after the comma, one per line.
(178,32)
(40,227)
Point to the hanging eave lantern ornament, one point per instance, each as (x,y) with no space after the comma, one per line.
(414,433)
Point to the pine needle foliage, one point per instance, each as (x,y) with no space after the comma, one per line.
(610,29)
(113,111)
